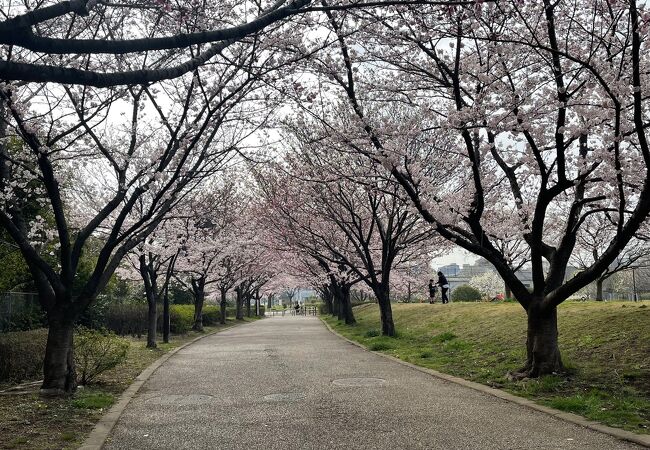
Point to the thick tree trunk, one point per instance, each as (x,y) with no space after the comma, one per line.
(59,374)
(327,299)
(543,352)
(346,306)
(222,306)
(152,322)
(150,289)
(248,305)
(342,303)
(383,298)
(336,303)
(198,311)
(239,308)
(599,289)
(198,291)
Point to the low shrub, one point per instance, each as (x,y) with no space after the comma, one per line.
(22,354)
(211,315)
(131,319)
(181,318)
(380,346)
(20,312)
(465,293)
(127,319)
(96,351)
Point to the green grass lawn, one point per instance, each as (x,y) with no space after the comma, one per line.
(30,422)
(605,346)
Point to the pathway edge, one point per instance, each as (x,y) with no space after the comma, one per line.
(103,428)
(643,440)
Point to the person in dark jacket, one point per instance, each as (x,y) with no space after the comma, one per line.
(444,287)
(432,292)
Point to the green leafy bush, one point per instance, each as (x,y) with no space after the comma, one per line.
(97,351)
(465,293)
(131,319)
(211,315)
(181,318)
(380,346)
(22,354)
(373,332)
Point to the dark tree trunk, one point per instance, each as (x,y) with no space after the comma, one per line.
(239,315)
(59,374)
(222,306)
(508,291)
(342,303)
(386,312)
(542,350)
(346,305)
(152,322)
(248,305)
(150,289)
(165,318)
(336,303)
(327,298)
(198,290)
(269,302)
(599,289)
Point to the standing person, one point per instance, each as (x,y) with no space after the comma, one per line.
(297,308)
(444,287)
(432,292)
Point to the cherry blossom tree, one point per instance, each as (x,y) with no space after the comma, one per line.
(537,113)
(365,230)
(107,176)
(213,235)
(597,233)
(72,42)
(154,261)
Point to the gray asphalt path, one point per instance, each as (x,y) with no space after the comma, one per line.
(288,383)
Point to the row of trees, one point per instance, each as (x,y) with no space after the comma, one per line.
(511,129)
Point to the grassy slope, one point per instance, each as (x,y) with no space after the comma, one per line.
(30,422)
(605,346)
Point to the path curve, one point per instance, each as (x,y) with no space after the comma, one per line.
(288,383)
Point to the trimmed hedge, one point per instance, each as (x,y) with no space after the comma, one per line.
(22,354)
(132,319)
(128,319)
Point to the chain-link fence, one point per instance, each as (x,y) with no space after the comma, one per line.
(19,310)
(626,295)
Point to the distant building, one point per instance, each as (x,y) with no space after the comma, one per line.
(459,275)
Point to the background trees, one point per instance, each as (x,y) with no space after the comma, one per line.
(533,126)
(510,129)
(106,180)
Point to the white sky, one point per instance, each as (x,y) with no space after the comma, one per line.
(458,256)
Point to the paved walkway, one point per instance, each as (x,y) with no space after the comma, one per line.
(288,383)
